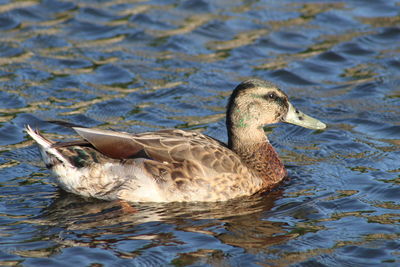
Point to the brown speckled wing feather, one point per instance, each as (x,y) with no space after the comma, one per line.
(187,166)
(181,154)
(165,145)
(116,145)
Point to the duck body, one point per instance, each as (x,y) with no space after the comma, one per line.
(165,166)
(176,165)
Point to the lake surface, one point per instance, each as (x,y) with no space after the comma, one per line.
(147,65)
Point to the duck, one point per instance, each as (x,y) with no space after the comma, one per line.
(175,165)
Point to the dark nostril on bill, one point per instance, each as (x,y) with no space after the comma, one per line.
(301,118)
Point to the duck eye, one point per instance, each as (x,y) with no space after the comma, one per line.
(271,95)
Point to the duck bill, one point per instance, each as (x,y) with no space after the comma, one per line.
(295,116)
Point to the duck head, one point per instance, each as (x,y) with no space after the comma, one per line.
(256,103)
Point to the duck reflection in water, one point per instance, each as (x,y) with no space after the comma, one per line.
(241,222)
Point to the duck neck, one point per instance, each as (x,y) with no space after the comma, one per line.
(241,137)
(257,153)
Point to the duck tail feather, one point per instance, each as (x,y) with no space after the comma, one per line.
(49,153)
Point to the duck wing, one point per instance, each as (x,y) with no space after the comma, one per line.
(117,145)
(185,165)
(164,145)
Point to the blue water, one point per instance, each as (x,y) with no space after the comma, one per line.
(172,64)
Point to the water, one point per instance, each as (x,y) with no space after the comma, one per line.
(148,65)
